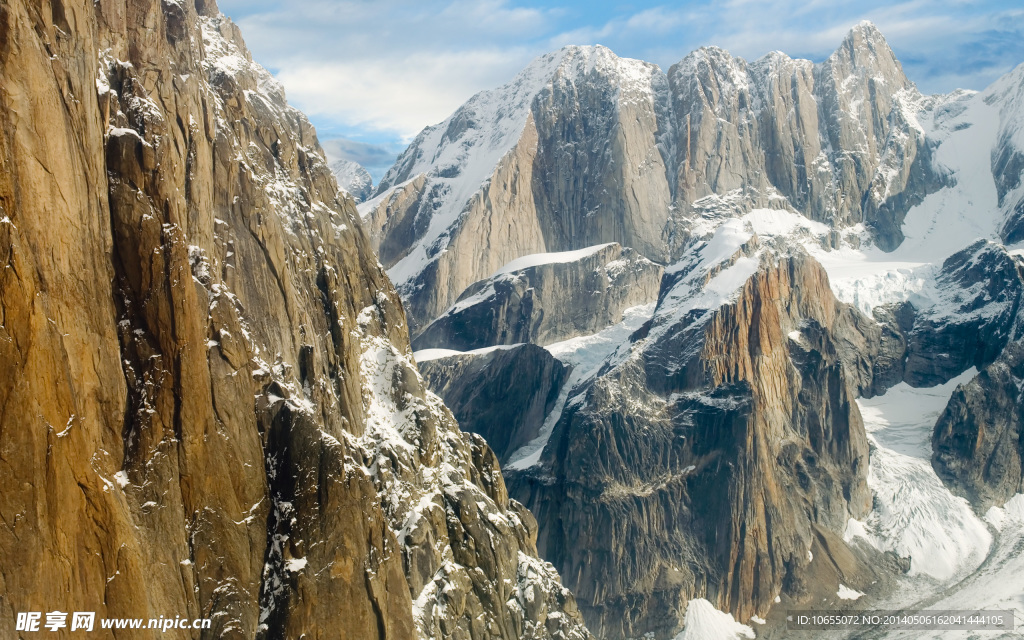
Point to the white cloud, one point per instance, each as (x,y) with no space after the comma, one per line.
(395,95)
(395,66)
(392,66)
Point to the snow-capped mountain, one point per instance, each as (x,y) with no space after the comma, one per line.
(352,178)
(584,148)
(834,245)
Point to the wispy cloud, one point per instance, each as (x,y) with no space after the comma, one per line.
(380,71)
(391,66)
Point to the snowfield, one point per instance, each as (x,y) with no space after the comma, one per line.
(959,561)
(705,622)
(915,515)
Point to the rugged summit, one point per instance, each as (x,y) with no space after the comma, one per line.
(210,406)
(584,147)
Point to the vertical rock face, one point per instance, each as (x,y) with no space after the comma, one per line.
(980,291)
(966,319)
(210,405)
(584,148)
(503,394)
(978,442)
(546,298)
(837,141)
(702,459)
(1008,156)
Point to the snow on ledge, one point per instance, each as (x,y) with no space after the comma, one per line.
(704,622)
(425,355)
(537,259)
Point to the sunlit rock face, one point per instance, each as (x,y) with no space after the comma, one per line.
(561,296)
(210,406)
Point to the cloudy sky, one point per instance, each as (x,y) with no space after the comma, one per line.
(375,72)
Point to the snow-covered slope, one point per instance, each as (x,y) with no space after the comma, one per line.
(914,514)
(704,622)
(959,560)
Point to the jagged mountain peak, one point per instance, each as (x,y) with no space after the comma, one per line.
(499,114)
(711,61)
(352,178)
(865,52)
(588,147)
(864,49)
(865,32)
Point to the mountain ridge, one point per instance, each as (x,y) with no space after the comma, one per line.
(567,197)
(830,238)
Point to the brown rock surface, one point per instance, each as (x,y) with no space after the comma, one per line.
(208,406)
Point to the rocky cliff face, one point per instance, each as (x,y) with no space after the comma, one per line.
(837,141)
(501,394)
(979,439)
(210,404)
(702,459)
(584,148)
(969,317)
(546,298)
(1008,156)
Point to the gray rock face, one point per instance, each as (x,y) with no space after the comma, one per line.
(559,296)
(982,288)
(500,179)
(584,148)
(832,140)
(210,404)
(978,442)
(689,467)
(1008,156)
(503,395)
(705,454)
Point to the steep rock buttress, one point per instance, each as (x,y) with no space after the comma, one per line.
(208,406)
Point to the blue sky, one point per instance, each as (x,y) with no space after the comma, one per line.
(376,72)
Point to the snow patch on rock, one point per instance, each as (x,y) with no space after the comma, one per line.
(704,622)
